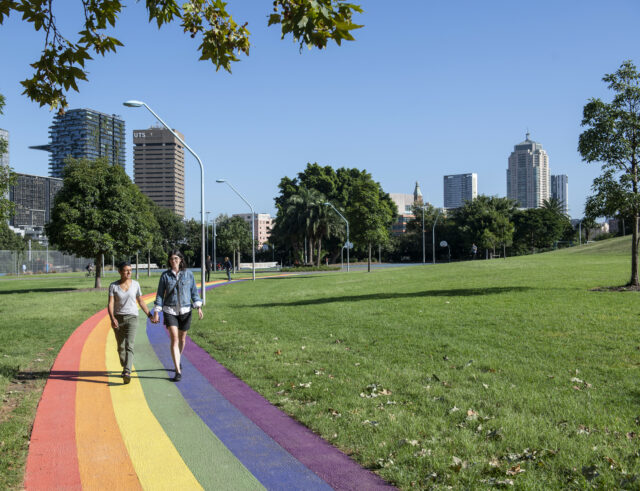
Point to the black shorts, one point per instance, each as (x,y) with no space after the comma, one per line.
(182,321)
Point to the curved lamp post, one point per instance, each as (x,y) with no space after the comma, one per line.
(253,228)
(202,255)
(347,222)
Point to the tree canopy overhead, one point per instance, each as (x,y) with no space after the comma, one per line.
(312,23)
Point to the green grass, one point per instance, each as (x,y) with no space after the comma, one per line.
(472,364)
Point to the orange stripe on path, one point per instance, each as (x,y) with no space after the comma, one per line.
(103,459)
(52,462)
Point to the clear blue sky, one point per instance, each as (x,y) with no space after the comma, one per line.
(428,89)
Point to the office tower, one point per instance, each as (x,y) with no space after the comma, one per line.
(158,167)
(560,191)
(84,134)
(459,188)
(4,158)
(262,226)
(528,174)
(33,197)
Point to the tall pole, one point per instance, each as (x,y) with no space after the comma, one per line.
(347,222)
(203,244)
(253,228)
(206,233)
(433,235)
(215,264)
(424,260)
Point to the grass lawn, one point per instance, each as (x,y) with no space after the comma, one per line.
(470,375)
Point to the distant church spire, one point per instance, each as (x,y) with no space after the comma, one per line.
(417,194)
(527,136)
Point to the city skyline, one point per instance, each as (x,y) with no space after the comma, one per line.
(450,92)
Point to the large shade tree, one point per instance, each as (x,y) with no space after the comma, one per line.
(312,23)
(100,212)
(234,237)
(612,137)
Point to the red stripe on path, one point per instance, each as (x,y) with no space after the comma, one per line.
(52,462)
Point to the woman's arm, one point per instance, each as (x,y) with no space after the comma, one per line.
(110,309)
(195,296)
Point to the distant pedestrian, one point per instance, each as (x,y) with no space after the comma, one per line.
(209,266)
(123,311)
(176,294)
(227,267)
(474,251)
(24,269)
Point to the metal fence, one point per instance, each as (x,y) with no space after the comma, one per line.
(32,262)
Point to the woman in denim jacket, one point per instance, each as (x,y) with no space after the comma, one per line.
(176,294)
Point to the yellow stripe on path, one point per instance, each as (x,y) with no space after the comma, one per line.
(155,459)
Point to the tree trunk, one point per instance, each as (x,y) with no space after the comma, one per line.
(97,283)
(319,250)
(369,260)
(310,251)
(634,252)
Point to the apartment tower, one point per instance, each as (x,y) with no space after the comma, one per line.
(459,188)
(4,158)
(84,133)
(528,174)
(158,167)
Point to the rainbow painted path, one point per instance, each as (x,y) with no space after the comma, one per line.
(210,431)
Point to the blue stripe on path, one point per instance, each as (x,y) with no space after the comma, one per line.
(274,467)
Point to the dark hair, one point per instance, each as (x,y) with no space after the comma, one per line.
(183,264)
(123,265)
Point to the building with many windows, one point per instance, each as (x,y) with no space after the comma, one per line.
(84,133)
(560,191)
(33,197)
(459,188)
(158,167)
(404,203)
(528,174)
(262,226)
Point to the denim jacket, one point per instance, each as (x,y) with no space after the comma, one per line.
(186,289)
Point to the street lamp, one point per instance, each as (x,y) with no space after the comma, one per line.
(423,250)
(206,233)
(347,222)
(253,246)
(433,235)
(202,263)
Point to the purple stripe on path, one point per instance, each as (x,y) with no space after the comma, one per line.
(335,467)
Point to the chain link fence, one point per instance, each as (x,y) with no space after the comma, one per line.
(33,262)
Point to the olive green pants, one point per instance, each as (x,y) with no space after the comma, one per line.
(125,339)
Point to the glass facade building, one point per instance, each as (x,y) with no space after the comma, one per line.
(459,188)
(85,133)
(33,197)
(560,191)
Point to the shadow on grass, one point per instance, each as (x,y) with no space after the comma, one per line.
(459,292)
(36,290)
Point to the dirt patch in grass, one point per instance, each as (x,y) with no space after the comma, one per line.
(24,383)
(626,288)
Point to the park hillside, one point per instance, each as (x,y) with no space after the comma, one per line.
(477,374)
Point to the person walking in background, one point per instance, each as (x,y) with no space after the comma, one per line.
(227,267)
(209,266)
(474,251)
(124,298)
(177,293)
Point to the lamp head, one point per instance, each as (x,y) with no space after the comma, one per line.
(133,103)
(219,181)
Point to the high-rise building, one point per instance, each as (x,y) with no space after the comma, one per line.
(528,174)
(560,191)
(33,197)
(84,134)
(4,158)
(158,167)
(262,226)
(459,188)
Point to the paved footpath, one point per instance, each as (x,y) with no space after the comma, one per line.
(209,431)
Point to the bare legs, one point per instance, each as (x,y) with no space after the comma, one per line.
(178,339)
